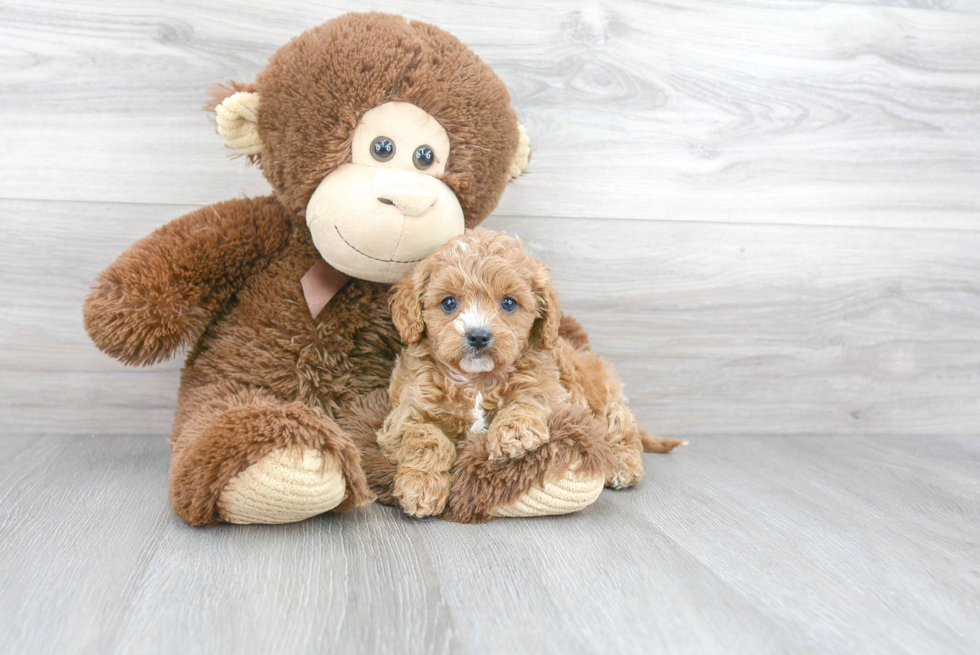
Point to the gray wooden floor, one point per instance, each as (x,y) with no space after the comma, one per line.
(731,545)
(766,214)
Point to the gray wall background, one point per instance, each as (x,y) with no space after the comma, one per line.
(767,214)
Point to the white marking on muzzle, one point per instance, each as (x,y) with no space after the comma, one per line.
(471,318)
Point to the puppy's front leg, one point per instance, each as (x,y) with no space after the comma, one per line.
(424,460)
(516,429)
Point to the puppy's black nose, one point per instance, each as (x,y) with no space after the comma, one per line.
(479,338)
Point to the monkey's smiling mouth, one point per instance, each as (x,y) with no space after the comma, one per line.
(386,261)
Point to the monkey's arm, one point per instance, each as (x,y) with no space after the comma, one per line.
(163,291)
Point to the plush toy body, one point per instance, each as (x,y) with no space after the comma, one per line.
(381,138)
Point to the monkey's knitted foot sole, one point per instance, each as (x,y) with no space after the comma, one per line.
(569,494)
(285,486)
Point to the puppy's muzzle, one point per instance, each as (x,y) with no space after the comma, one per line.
(479,338)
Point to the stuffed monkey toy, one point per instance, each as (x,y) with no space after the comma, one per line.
(381,138)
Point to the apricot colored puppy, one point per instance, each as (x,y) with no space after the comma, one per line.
(481,320)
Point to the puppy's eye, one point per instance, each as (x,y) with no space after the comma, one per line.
(448,304)
(382,148)
(508,304)
(423,157)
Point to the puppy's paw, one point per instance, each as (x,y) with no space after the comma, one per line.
(513,436)
(422,493)
(627,471)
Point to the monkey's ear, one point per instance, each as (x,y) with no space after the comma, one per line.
(236,109)
(406,308)
(522,156)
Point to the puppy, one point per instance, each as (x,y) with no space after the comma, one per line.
(481,322)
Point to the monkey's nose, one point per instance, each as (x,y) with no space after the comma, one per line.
(479,338)
(413,193)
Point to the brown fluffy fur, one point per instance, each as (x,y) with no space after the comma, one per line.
(263,374)
(440,385)
(316,88)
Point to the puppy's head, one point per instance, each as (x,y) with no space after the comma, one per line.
(481,300)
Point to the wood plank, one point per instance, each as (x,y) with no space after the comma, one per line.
(850,543)
(730,545)
(93,560)
(967,6)
(776,112)
(629,590)
(720,329)
(714,328)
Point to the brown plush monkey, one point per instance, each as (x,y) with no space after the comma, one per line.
(381,138)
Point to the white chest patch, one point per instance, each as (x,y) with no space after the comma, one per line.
(479,416)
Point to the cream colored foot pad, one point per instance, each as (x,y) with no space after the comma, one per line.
(570,494)
(283,487)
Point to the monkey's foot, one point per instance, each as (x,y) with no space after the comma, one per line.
(563,475)
(569,494)
(285,486)
(242,456)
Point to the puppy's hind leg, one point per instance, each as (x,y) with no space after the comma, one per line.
(623,437)
(628,442)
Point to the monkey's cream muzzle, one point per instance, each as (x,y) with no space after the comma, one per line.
(377,223)
(377,216)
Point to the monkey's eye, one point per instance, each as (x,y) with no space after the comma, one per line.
(383,148)
(448,304)
(508,304)
(423,157)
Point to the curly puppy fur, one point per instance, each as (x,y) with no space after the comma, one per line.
(486,364)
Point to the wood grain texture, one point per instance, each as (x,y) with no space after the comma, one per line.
(805,174)
(777,112)
(731,545)
(764,212)
(751,329)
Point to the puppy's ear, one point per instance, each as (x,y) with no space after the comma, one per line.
(544,333)
(406,306)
